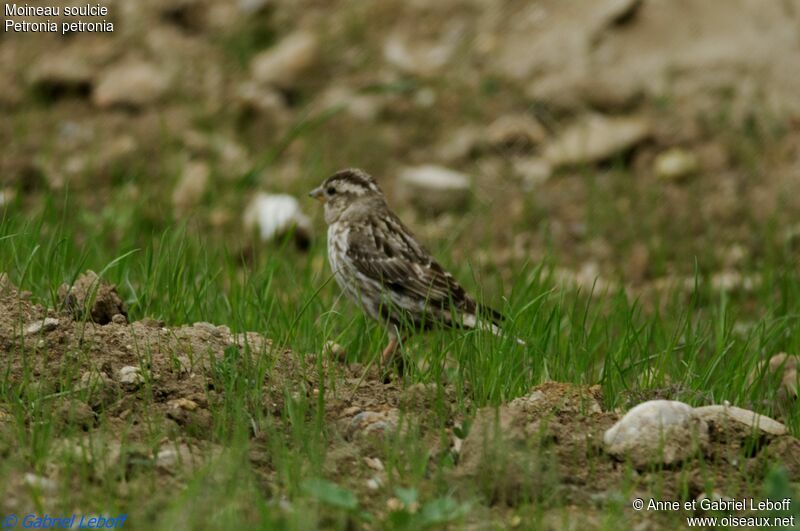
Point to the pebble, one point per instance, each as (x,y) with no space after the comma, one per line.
(332,349)
(6,196)
(783,367)
(373,422)
(516,132)
(39,482)
(191,186)
(594,139)
(171,457)
(283,64)
(63,70)
(374,463)
(657,432)
(721,414)
(410,53)
(534,171)
(273,215)
(48,324)
(675,164)
(89,287)
(130,84)
(435,189)
(183,403)
(130,377)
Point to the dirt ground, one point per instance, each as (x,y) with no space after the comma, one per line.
(545,445)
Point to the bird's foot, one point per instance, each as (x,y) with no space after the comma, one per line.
(389,357)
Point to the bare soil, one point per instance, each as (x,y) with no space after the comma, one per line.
(545,445)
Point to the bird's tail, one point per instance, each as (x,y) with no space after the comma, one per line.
(491,320)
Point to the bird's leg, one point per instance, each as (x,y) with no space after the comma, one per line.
(390,354)
(389,351)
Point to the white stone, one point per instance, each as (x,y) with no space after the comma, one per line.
(6,196)
(518,131)
(132,84)
(283,64)
(191,186)
(130,377)
(724,413)
(533,170)
(594,139)
(64,68)
(675,164)
(40,483)
(411,53)
(274,215)
(657,432)
(47,324)
(435,188)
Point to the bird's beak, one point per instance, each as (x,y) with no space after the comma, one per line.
(317,194)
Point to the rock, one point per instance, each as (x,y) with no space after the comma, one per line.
(734,281)
(505,442)
(191,186)
(6,196)
(548,38)
(251,97)
(435,189)
(184,404)
(657,432)
(99,389)
(283,64)
(11,93)
(275,215)
(363,107)
(119,319)
(334,350)
(675,164)
(414,54)
(76,413)
(40,483)
(420,396)
(460,144)
(374,463)
(638,263)
(130,377)
(594,139)
(721,415)
(782,368)
(48,324)
(372,422)
(61,72)
(194,419)
(516,132)
(534,171)
(130,84)
(172,457)
(587,279)
(233,158)
(90,296)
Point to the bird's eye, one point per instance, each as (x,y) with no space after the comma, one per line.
(331,190)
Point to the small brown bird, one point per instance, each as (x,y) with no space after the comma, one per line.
(378,262)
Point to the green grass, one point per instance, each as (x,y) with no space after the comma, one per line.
(690,344)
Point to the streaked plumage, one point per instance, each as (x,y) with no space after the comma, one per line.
(378,263)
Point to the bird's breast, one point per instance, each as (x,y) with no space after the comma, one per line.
(337,247)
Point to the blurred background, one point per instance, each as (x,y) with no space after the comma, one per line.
(637,142)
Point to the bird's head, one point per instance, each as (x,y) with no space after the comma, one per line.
(344,189)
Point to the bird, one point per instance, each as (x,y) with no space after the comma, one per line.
(379,263)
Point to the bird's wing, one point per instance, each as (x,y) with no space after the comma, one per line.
(385,250)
